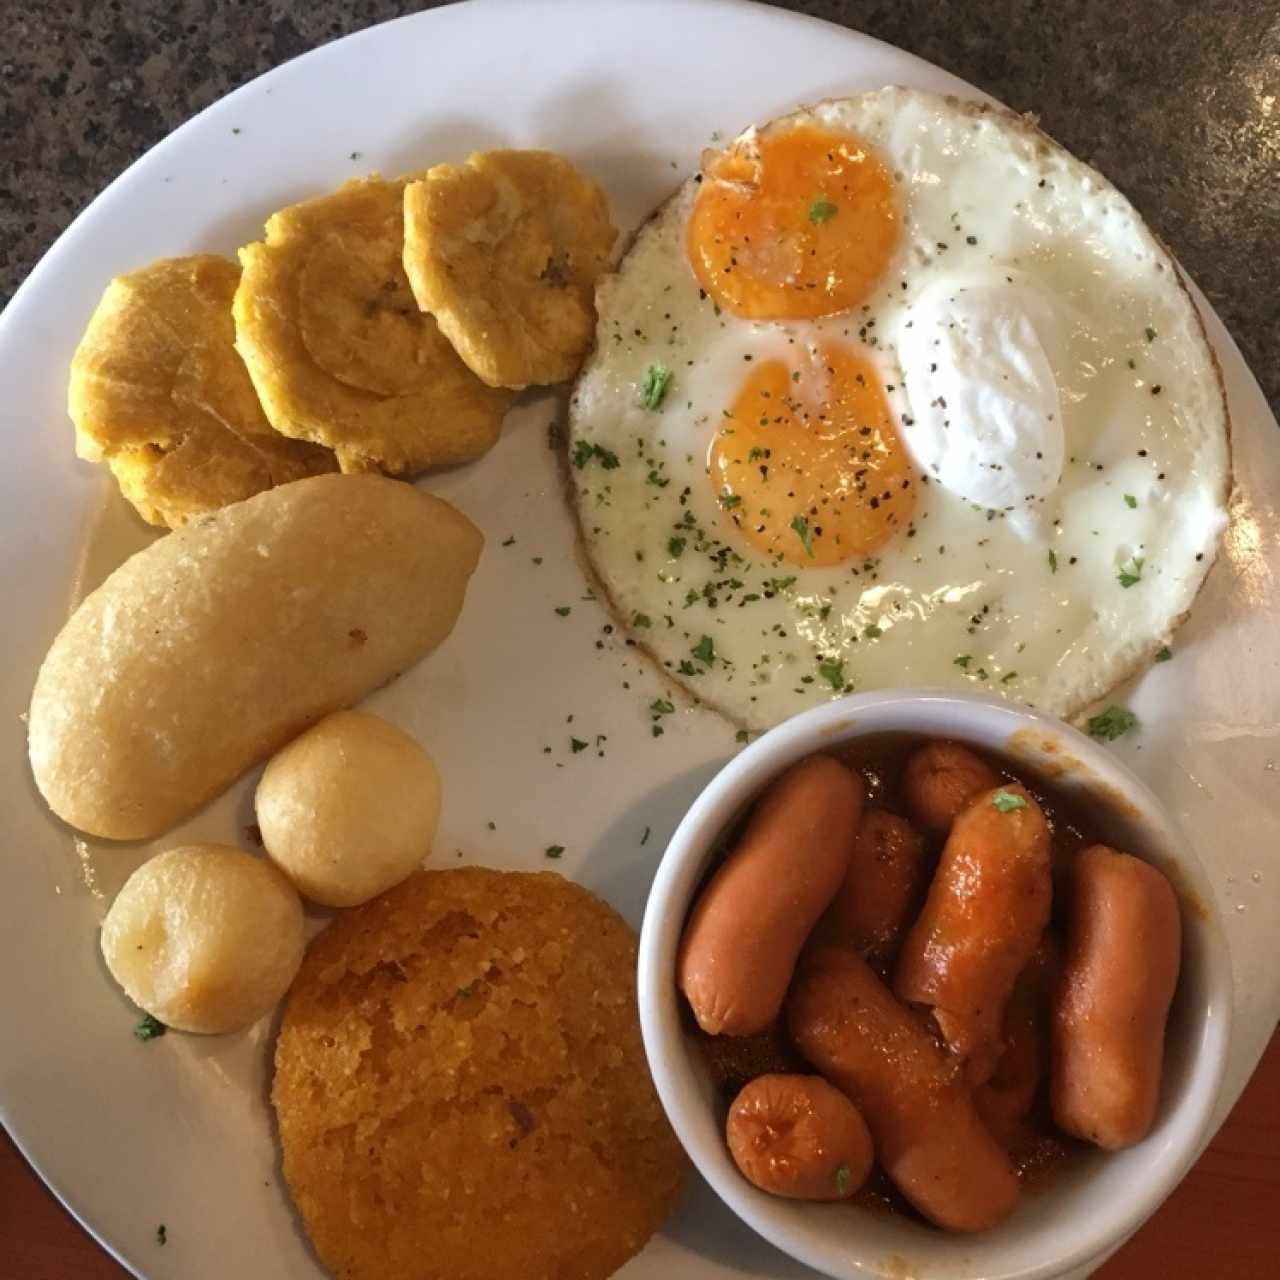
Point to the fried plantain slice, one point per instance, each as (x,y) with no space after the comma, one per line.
(159,393)
(505,251)
(339,352)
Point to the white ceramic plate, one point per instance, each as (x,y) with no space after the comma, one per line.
(178,1131)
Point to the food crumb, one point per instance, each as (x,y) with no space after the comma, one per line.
(162,1234)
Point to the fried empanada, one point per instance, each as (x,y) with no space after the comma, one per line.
(158,392)
(338,350)
(505,251)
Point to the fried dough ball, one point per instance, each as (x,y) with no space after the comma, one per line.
(337,348)
(505,251)
(461,1088)
(349,808)
(204,937)
(158,392)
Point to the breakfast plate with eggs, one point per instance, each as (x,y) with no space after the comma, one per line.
(740,363)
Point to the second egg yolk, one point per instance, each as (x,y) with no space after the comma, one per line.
(807,463)
(793,223)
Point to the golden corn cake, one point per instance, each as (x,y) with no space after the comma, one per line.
(461,1089)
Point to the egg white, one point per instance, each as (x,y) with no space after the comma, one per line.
(962,598)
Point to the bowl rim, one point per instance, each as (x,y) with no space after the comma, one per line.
(680,872)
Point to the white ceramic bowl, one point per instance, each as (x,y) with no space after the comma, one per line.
(1085,1210)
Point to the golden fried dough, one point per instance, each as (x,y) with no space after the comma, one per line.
(158,391)
(461,1089)
(215,646)
(504,251)
(204,937)
(338,350)
(348,808)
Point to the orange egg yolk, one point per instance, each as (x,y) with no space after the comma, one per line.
(807,464)
(795,223)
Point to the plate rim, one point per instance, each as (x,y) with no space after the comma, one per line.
(1220,339)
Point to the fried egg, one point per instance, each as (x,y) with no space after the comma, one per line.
(896,391)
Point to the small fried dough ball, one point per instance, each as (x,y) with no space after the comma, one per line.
(939,781)
(349,808)
(505,251)
(204,937)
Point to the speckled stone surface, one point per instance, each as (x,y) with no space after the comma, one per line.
(1177,101)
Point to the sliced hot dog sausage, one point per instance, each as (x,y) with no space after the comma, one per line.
(1005,1099)
(887,876)
(1120,969)
(799,1137)
(940,780)
(928,1136)
(742,938)
(987,908)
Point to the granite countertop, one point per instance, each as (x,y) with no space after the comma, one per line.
(1177,102)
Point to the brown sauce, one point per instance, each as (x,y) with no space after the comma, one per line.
(1036,1149)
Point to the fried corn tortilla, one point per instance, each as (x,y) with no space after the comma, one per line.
(338,350)
(158,392)
(461,1089)
(505,251)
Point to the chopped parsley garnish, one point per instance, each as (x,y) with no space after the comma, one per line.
(963,661)
(1164,654)
(741,736)
(1130,501)
(576,745)
(730,500)
(832,671)
(795,375)
(872,632)
(1006,801)
(1131,572)
(149,1028)
(756,454)
(554,850)
(162,1234)
(584,451)
(656,729)
(1112,723)
(509,542)
(644,839)
(661,707)
(653,391)
(843,1177)
(687,668)
(779,584)
(1053,561)
(801,527)
(1151,334)
(564,610)
(657,479)
(1009,675)
(675,547)
(641,620)
(821,211)
(705,650)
